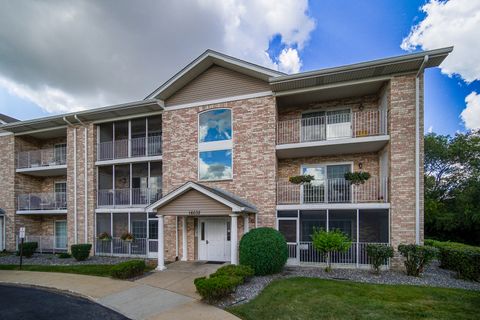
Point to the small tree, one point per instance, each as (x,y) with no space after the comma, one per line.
(327,242)
(378,254)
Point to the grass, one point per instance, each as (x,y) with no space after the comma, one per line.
(101,270)
(306,298)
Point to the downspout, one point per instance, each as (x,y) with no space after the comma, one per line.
(75,238)
(85,168)
(417,149)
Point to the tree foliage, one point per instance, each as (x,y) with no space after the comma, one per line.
(452,187)
(327,242)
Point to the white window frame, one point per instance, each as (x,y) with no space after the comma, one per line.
(223,145)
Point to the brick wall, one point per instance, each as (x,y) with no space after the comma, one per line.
(254,158)
(402,158)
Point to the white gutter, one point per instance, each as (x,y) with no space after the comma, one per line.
(85,168)
(417,149)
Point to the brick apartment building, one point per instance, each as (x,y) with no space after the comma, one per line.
(208,155)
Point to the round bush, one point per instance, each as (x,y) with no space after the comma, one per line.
(81,251)
(265,250)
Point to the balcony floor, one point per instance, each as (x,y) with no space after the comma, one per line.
(332,147)
(41,212)
(45,171)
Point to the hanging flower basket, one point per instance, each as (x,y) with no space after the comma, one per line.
(104,236)
(357,177)
(127,236)
(305,178)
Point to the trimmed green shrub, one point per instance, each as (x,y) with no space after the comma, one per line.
(81,251)
(241,271)
(28,249)
(459,257)
(326,242)
(378,255)
(416,257)
(214,288)
(128,269)
(264,250)
(64,255)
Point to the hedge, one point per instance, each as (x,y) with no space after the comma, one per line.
(264,250)
(214,288)
(416,257)
(128,269)
(241,271)
(81,251)
(28,249)
(459,257)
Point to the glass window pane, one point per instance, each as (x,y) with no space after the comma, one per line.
(215,165)
(338,171)
(287,214)
(345,221)
(215,125)
(373,226)
(138,225)
(153,229)
(289,229)
(311,220)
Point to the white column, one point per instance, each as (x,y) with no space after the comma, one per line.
(246,227)
(184,239)
(161,258)
(233,239)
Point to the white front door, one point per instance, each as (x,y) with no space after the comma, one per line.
(214,240)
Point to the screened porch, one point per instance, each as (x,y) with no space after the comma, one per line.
(362,226)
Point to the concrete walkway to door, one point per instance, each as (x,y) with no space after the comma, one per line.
(162,295)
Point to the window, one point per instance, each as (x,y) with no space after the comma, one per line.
(289,229)
(215,145)
(329,184)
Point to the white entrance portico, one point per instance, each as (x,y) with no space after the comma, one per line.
(215,231)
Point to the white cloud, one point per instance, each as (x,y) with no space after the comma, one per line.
(471,114)
(69,55)
(430,129)
(447,23)
(289,61)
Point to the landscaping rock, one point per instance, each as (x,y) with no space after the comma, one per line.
(51,259)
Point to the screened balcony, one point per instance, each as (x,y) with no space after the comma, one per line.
(135,138)
(128,197)
(338,190)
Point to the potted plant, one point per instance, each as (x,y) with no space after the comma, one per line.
(301,179)
(127,236)
(104,236)
(357,177)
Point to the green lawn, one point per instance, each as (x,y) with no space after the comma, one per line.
(101,270)
(306,298)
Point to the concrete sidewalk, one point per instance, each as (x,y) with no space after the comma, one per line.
(136,300)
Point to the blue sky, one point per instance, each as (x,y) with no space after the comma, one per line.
(345,32)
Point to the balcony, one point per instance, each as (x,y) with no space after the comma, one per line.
(121,198)
(332,191)
(42,203)
(43,162)
(130,148)
(363,131)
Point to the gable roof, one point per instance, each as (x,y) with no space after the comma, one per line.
(6,119)
(205,61)
(237,204)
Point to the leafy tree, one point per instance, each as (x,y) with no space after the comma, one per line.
(452,187)
(327,242)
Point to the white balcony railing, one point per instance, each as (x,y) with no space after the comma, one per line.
(119,247)
(50,244)
(128,197)
(128,148)
(303,252)
(42,158)
(333,191)
(330,127)
(42,201)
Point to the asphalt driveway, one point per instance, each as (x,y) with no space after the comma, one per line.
(31,303)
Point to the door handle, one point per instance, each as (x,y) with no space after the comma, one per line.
(207,241)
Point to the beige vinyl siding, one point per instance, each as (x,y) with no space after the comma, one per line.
(194,200)
(216,83)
